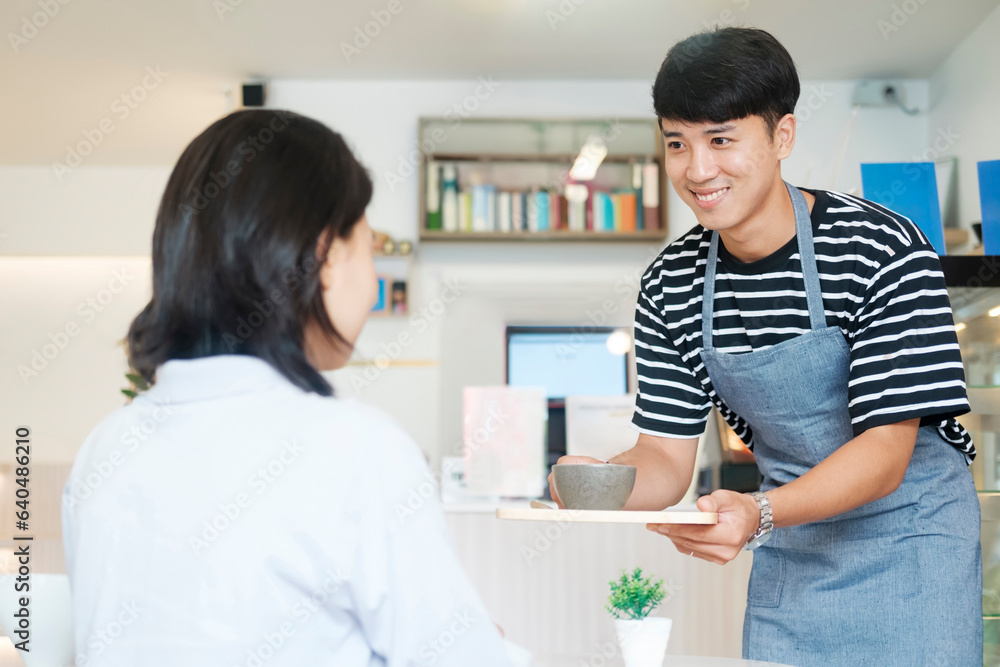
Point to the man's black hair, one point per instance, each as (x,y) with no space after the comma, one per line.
(724,75)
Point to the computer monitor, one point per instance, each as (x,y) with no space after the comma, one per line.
(567,361)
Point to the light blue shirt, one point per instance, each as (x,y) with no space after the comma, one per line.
(228,518)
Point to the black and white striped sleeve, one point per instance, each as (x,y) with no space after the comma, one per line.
(671,402)
(905,358)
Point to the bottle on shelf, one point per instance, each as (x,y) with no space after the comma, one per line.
(650,196)
(449,199)
(505,219)
(433,195)
(637,186)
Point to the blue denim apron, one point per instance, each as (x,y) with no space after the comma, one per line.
(895,582)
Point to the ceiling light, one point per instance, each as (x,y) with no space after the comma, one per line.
(619,342)
(589,159)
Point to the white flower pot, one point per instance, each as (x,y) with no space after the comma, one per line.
(643,643)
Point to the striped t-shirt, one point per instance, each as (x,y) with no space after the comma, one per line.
(882,285)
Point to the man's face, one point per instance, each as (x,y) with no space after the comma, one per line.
(723,171)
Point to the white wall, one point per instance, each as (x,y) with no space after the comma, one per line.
(965,105)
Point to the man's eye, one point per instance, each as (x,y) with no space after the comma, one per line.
(721,141)
(674,145)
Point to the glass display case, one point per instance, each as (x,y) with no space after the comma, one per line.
(974,290)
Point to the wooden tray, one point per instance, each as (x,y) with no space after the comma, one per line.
(606,516)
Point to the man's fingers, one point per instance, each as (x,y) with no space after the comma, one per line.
(706,534)
(711,553)
(713,547)
(552,492)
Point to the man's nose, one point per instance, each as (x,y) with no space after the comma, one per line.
(702,167)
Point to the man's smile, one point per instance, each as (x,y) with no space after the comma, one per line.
(707,198)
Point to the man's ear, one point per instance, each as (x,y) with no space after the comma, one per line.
(784,135)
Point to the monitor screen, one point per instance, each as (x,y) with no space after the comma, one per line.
(566,362)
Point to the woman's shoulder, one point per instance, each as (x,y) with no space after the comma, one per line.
(368,427)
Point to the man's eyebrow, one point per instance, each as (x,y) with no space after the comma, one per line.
(720,129)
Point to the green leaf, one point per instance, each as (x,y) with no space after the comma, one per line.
(138,381)
(129,393)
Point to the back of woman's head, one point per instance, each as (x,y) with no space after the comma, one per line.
(237,245)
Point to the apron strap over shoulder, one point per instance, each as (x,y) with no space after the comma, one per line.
(807,257)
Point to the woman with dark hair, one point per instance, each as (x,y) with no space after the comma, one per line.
(236,513)
(819,325)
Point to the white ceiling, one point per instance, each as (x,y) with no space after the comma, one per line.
(91,50)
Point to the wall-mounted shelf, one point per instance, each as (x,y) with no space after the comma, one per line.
(511,181)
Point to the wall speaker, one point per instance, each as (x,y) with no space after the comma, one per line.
(253,94)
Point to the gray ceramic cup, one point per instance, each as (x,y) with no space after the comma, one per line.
(596,486)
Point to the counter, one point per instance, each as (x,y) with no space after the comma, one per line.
(546,584)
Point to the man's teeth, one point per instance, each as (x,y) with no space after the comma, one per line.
(714,195)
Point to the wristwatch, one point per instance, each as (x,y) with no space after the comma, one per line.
(766,525)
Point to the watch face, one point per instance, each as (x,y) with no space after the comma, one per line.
(757,541)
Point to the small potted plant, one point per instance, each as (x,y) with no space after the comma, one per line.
(643,639)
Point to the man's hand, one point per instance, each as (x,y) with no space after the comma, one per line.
(562,461)
(739,518)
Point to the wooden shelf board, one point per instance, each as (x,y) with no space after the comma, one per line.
(955,237)
(523,157)
(647,236)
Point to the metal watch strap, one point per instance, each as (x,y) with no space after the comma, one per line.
(766,524)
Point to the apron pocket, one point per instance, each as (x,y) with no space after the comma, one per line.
(767,576)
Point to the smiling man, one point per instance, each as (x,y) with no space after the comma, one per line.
(819,325)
